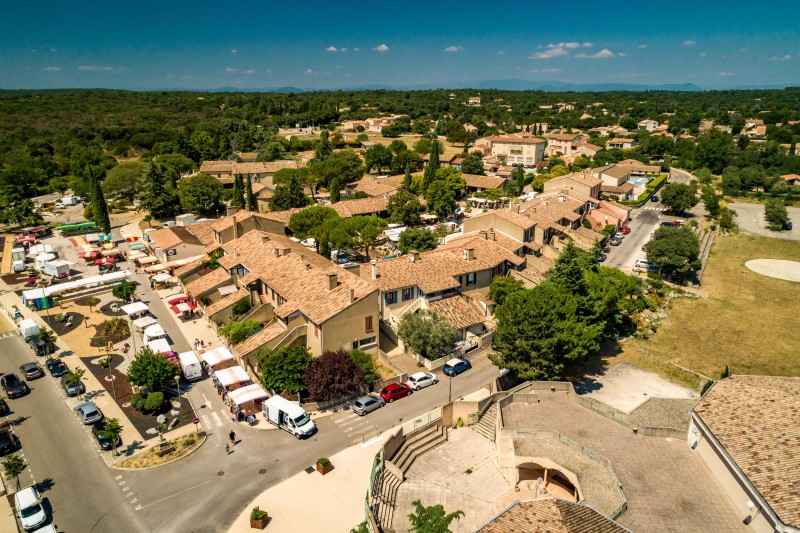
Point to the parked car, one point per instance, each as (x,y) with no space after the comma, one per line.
(72,390)
(104,442)
(454,367)
(8,442)
(614,241)
(667,224)
(624,230)
(787,225)
(395,391)
(601,257)
(619,235)
(641,263)
(57,368)
(367,404)
(88,413)
(30,509)
(654,198)
(606,249)
(13,386)
(422,379)
(31,371)
(678,223)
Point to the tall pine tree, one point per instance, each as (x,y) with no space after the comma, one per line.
(250,199)
(433,165)
(407,181)
(335,190)
(159,197)
(237,195)
(324,149)
(99,206)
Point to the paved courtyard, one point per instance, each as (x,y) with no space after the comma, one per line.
(776,268)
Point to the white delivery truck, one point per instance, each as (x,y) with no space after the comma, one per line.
(190,365)
(57,269)
(29,329)
(67,201)
(288,416)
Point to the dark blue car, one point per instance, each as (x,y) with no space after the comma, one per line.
(454,367)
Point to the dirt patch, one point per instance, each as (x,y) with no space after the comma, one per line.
(87,300)
(182,446)
(113,331)
(16,278)
(62,323)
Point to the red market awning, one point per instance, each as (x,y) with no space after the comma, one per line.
(101,261)
(175,299)
(26,238)
(88,255)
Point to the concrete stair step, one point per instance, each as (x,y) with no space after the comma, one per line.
(409,441)
(412,449)
(428,446)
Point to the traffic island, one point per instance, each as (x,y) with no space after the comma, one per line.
(163,453)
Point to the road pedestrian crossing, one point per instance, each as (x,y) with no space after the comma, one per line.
(358,428)
(655,208)
(215,419)
(8,334)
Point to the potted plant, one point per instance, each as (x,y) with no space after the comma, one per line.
(324,465)
(258,518)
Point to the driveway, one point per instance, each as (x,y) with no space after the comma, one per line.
(751,220)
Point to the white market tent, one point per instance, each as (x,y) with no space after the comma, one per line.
(217,355)
(43,292)
(154,331)
(247,394)
(143,322)
(37,249)
(160,278)
(159,346)
(229,376)
(135,308)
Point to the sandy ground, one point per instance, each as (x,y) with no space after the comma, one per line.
(776,268)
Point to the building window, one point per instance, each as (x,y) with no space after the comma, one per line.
(471,278)
(460,280)
(364,342)
(408,293)
(368,324)
(391,297)
(316,330)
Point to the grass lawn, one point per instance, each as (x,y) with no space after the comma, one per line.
(749,322)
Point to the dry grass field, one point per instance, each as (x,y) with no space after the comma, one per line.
(749,322)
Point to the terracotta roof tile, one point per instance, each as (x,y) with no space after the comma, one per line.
(551,515)
(361,206)
(169,237)
(226,302)
(204,231)
(209,281)
(457,312)
(258,340)
(483,182)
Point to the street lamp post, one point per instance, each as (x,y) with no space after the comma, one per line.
(450,390)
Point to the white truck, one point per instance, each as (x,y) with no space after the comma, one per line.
(288,416)
(68,201)
(190,365)
(29,329)
(57,269)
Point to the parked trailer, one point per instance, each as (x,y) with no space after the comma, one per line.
(288,416)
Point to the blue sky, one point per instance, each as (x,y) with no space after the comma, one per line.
(263,44)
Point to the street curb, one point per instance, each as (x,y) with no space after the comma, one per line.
(132,469)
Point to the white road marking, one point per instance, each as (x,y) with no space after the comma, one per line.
(173,495)
(216,418)
(121,483)
(206,421)
(125,489)
(134,500)
(118,478)
(205,399)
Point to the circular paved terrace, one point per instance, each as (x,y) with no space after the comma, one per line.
(776,268)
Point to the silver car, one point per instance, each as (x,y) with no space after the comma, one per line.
(422,379)
(88,413)
(367,404)
(74,389)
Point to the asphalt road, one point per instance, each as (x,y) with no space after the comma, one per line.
(63,459)
(751,220)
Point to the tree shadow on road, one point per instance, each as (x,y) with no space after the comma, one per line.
(583,374)
(45,485)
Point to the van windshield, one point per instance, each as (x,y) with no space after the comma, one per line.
(30,511)
(301,420)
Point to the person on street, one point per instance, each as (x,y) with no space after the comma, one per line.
(232,436)
(227,449)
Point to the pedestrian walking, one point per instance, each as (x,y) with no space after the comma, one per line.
(232,436)
(227,449)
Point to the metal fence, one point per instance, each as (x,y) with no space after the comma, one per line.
(422,421)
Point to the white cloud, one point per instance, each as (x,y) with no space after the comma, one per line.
(642,46)
(602,54)
(308,72)
(51,69)
(703,54)
(622,54)
(331,49)
(54,50)
(234,51)
(785,57)
(689,43)
(725,74)
(501,52)
(550,53)
(381,48)
(454,48)
(587,45)
(94,68)
(248,72)
(356,49)
(231,70)
(545,70)
(343,50)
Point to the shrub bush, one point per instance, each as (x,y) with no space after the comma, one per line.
(323,461)
(257,514)
(154,401)
(137,401)
(241,307)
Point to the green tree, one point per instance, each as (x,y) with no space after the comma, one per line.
(362,231)
(427,334)
(73,377)
(711,201)
(288,195)
(366,363)
(473,164)
(503,286)
(420,240)
(404,208)
(558,170)
(677,250)
(200,193)
(249,197)
(678,197)
(99,206)
(48,338)
(324,149)
(568,270)
(13,466)
(111,430)
(335,190)
(237,194)
(430,169)
(151,370)
(237,332)
(714,150)
(431,519)
(124,291)
(125,179)
(158,196)
(540,330)
(378,158)
(516,184)
(309,223)
(775,214)
(282,370)
(727,220)
(441,199)
(407,180)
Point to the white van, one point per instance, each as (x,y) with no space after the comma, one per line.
(29,507)
(641,263)
(190,365)
(288,416)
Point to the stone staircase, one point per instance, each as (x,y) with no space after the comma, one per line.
(706,240)
(417,444)
(486,425)
(383,501)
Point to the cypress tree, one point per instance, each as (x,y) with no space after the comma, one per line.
(99,206)
(250,200)
(335,190)
(237,196)
(433,166)
(407,181)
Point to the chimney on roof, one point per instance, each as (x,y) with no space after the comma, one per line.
(374,267)
(308,266)
(264,239)
(230,211)
(332,282)
(414,256)
(352,295)
(491,235)
(286,251)
(469,254)
(560,197)
(276,251)
(515,207)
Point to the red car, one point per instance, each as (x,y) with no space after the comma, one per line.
(677,223)
(395,391)
(624,230)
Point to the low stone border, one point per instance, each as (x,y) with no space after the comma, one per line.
(201,439)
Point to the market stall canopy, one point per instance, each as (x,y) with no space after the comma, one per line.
(77,284)
(217,355)
(154,331)
(43,258)
(135,255)
(26,238)
(135,308)
(136,245)
(40,249)
(247,394)
(175,299)
(143,322)
(112,252)
(183,307)
(160,346)
(103,260)
(88,255)
(155,268)
(229,376)
(147,260)
(161,278)
(130,238)
(181,262)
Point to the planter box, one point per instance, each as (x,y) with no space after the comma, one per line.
(324,469)
(259,524)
